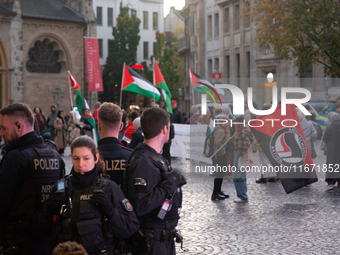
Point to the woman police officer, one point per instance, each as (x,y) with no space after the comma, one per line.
(89,209)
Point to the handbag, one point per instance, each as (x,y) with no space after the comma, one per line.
(313,152)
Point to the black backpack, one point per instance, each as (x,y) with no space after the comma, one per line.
(208,149)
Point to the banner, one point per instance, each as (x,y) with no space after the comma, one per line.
(94,78)
(282,140)
(189,142)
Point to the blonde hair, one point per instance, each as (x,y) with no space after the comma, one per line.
(110,115)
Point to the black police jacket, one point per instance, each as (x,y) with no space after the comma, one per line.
(115,157)
(90,223)
(28,171)
(147,190)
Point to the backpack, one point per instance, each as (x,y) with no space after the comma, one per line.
(208,149)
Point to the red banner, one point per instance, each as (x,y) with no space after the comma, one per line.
(217,75)
(94,78)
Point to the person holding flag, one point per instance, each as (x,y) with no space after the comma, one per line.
(86,128)
(75,90)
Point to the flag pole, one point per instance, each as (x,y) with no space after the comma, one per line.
(154,85)
(121,87)
(69,84)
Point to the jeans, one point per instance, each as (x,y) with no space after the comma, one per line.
(240,180)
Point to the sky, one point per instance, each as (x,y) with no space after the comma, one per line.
(179,4)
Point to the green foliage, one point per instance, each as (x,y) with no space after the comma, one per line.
(305,32)
(123,48)
(170,63)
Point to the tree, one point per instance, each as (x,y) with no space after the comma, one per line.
(123,48)
(170,63)
(304,31)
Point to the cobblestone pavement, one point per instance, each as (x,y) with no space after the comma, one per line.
(272,222)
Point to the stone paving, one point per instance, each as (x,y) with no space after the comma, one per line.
(272,222)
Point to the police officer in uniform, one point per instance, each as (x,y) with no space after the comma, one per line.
(109,147)
(153,187)
(89,208)
(28,171)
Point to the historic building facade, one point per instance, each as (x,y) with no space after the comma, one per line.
(39,45)
(218,40)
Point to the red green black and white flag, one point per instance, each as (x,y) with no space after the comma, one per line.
(202,85)
(159,82)
(135,83)
(75,88)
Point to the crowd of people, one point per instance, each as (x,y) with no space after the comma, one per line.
(114,201)
(121,195)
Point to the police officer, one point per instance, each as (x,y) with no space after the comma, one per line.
(109,147)
(88,208)
(28,172)
(153,187)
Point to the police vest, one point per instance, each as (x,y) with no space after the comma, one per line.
(115,168)
(44,168)
(81,221)
(164,166)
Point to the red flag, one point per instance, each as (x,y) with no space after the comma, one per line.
(283,142)
(94,78)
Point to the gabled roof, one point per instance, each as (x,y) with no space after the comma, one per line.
(4,10)
(50,9)
(179,14)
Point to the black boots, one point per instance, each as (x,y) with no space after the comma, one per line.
(219,196)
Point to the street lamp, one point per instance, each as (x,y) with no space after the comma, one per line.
(58,95)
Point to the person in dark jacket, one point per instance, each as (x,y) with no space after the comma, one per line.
(137,136)
(152,184)
(89,208)
(332,139)
(28,171)
(50,121)
(176,116)
(86,128)
(114,154)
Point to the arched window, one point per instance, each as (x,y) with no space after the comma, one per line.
(43,59)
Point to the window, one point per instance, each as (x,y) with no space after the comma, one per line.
(216,25)
(133,12)
(248,67)
(217,65)
(155,48)
(195,62)
(99,16)
(43,59)
(155,20)
(109,43)
(209,69)
(110,17)
(306,77)
(195,23)
(247,17)
(100,42)
(227,68)
(238,71)
(236,15)
(146,50)
(209,27)
(145,20)
(226,20)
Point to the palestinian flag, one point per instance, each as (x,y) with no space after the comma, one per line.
(283,142)
(159,82)
(135,83)
(92,122)
(202,85)
(78,99)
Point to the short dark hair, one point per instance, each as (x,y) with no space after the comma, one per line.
(110,115)
(153,120)
(19,109)
(87,142)
(132,115)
